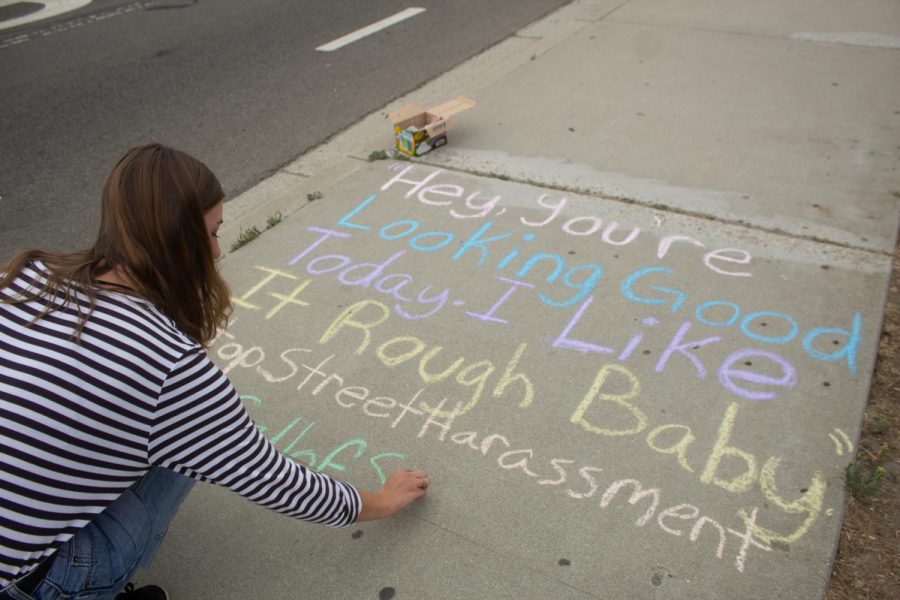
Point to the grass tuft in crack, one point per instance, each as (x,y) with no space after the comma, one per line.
(248,235)
(274,220)
(245,237)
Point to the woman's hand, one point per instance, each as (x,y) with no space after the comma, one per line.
(400,490)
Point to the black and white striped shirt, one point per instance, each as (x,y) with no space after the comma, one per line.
(81,422)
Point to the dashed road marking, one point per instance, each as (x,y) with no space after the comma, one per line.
(370,29)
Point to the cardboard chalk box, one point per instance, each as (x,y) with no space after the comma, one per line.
(417,131)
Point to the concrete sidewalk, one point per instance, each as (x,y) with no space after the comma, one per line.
(626,318)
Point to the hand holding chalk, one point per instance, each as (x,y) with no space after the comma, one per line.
(401,489)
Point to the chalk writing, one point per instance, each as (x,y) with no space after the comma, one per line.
(496,265)
(584,279)
(728,374)
(310,457)
(717,261)
(675,299)
(809,504)
(474,375)
(608,409)
(574,479)
(771,372)
(478,247)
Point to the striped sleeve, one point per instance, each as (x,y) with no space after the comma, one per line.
(202,429)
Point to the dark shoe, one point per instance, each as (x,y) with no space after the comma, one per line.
(148,592)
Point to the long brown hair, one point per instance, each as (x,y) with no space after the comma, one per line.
(151,229)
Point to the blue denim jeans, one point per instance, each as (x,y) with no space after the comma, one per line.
(101,558)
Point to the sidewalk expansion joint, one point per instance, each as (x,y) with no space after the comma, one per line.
(608,13)
(295,173)
(662,207)
(751,34)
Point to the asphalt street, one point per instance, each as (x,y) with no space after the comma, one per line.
(238,84)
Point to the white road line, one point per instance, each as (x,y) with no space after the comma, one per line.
(369,30)
(51,9)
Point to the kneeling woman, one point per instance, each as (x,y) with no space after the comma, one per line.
(110,408)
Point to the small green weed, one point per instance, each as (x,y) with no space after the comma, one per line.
(314,196)
(274,220)
(246,236)
(863,478)
(377,155)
